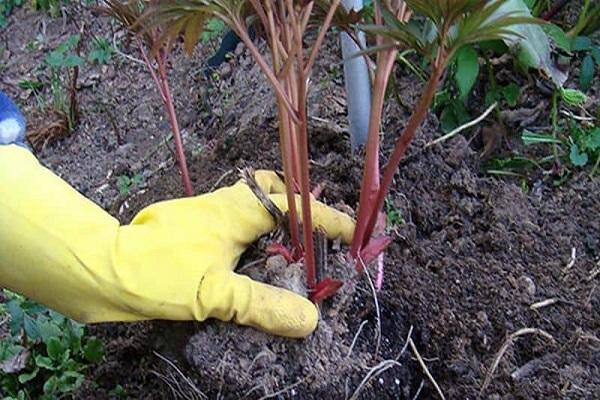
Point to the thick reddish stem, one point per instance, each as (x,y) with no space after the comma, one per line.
(370,181)
(168,100)
(287,161)
(400,148)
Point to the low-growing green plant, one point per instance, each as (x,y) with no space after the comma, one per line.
(52,7)
(125,183)
(44,355)
(101,51)
(63,64)
(6,8)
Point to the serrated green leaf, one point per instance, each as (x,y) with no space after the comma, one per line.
(594,139)
(467,70)
(48,330)
(586,75)
(55,348)
(93,350)
(578,158)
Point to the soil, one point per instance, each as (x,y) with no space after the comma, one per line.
(476,259)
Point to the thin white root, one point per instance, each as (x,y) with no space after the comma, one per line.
(425,369)
(373,372)
(377,310)
(189,391)
(509,340)
(463,127)
(356,337)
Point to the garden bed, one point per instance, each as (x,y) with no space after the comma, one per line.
(474,260)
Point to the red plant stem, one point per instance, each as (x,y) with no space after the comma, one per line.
(321,36)
(401,145)
(185,177)
(370,181)
(287,161)
(307,228)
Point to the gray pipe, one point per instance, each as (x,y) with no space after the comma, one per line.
(358,86)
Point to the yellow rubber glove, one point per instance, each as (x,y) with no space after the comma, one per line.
(174,261)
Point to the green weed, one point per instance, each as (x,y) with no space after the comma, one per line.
(44,355)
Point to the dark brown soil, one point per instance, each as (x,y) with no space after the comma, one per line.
(476,259)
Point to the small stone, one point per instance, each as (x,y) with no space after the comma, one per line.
(527,284)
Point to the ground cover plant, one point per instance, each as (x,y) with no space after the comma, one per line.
(481,245)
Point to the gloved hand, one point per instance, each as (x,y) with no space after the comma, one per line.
(174,261)
(12,123)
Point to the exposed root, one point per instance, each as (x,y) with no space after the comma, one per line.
(373,372)
(180,385)
(425,369)
(509,340)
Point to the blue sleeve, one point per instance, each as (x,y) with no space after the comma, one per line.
(12,122)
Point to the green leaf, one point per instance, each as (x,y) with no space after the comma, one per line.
(559,36)
(594,141)
(44,362)
(51,385)
(586,75)
(596,54)
(93,350)
(69,381)
(577,158)
(55,59)
(511,93)
(582,43)
(529,138)
(28,376)
(531,42)
(48,330)
(55,348)
(16,317)
(73,60)
(467,70)
(31,329)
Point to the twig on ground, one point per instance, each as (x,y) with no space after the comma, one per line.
(543,303)
(425,369)
(462,127)
(125,56)
(571,261)
(509,340)
(221,178)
